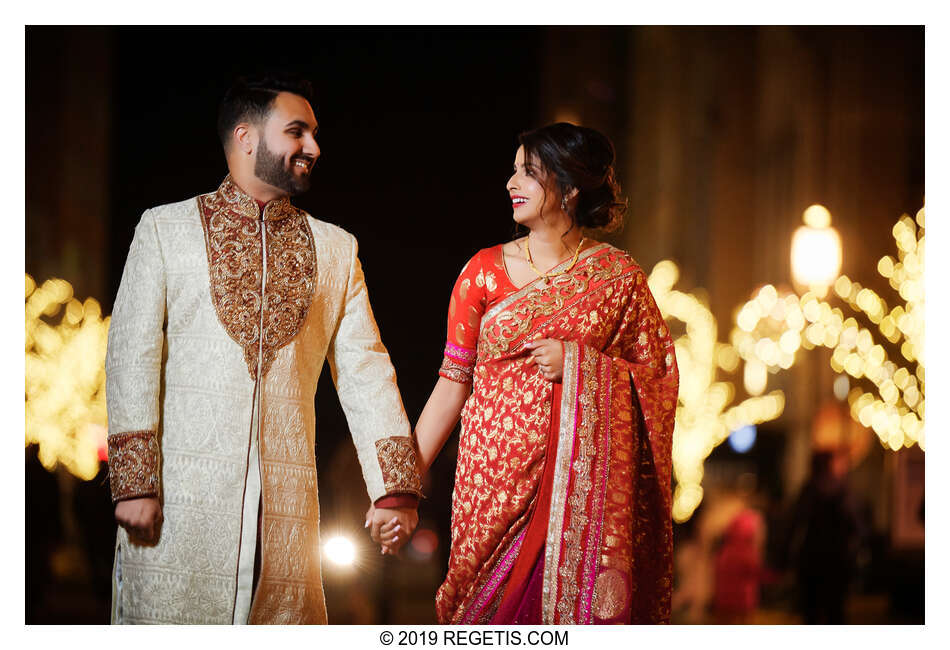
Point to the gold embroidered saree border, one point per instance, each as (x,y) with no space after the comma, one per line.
(532,286)
(562,470)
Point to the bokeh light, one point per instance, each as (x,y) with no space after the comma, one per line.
(340,551)
(705,415)
(894,409)
(816,251)
(743,439)
(65,377)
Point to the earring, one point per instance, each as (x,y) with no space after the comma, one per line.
(564,204)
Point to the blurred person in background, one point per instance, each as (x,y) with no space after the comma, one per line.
(562,370)
(739,568)
(693,582)
(825,533)
(228,306)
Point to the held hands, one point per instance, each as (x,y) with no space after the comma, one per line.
(141,518)
(548,354)
(391,527)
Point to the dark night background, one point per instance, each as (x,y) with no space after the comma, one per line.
(418,130)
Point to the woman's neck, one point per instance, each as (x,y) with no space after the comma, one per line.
(552,244)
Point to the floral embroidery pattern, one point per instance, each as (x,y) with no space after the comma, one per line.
(457,372)
(508,322)
(458,363)
(460,354)
(133,465)
(398,462)
(579,490)
(236,234)
(607,554)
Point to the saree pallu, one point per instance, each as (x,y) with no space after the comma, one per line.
(562,505)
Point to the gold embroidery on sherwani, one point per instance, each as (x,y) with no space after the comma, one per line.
(234,229)
(397,460)
(289,590)
(133,464)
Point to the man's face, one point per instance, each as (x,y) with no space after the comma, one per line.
(287,148)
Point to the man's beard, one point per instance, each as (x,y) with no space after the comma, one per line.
(270,168)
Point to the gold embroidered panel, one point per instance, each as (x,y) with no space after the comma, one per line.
(399,464)
(133,465)
(510,320)
(235,237)
(612,589)
(289,586)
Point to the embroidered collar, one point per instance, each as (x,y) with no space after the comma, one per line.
(253,305)
(243,204)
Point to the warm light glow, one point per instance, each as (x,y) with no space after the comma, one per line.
(816,216)
(816,257)
(65,378)
(704,415)
(842,386)
(424,543)
(340,551)
(755,377)
(895,411)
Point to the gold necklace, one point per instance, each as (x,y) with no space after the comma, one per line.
(546,276)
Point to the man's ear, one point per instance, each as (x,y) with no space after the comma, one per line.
(570,194)
(244,138)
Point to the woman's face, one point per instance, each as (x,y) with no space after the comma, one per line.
(528,188)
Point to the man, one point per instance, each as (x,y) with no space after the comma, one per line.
(229,304)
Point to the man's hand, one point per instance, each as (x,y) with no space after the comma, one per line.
(141,517)
(391,527)
(548,354)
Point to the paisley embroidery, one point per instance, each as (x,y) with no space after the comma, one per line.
(133,465)
(615,441)
(235,236)
(455,371)
(500,329)
(397,460)
(458,363)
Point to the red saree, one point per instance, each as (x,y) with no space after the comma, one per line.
(561,509)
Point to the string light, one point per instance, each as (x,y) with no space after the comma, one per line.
(895,411)
(704,417)
(65,377)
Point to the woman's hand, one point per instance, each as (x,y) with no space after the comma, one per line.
(548,354)
(391,528)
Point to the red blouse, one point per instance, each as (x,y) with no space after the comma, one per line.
(482,282)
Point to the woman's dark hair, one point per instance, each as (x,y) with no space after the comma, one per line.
(251,98)
(581,158)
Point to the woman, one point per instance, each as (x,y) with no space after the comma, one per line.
(563,372)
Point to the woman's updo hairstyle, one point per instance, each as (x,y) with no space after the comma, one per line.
(582,158)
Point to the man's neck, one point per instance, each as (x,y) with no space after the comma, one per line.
(255,188)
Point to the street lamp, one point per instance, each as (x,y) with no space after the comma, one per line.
(816,251)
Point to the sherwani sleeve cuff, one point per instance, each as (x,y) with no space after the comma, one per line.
(401,500)
(133,465)
(399,464)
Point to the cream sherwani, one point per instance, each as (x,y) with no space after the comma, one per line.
(223,320)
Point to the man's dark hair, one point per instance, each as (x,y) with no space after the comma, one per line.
(251,97)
